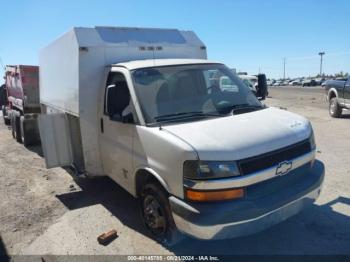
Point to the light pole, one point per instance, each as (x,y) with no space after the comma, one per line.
(284,68)
(321,55)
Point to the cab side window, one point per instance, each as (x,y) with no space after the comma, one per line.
(348,82)
(118,104)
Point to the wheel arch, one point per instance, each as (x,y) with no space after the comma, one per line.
(146,174)
(332,93)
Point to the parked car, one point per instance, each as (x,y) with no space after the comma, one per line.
(271,82)
(227,84)
(338,96)
(295,82)
(319,81)
(277,83)
(284,82)
(250,81)
(309,82)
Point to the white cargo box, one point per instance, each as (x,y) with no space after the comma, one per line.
(72,70)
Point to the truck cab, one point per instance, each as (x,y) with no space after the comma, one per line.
(167,121)
(181,133)
(338,96)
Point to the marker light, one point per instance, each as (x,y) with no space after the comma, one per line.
(206,196)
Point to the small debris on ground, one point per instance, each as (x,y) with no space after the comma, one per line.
(72,188)
(107,237)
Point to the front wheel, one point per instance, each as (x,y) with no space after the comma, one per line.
(157,216)
(335,109)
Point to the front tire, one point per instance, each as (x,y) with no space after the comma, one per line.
(157,216)
(335,109)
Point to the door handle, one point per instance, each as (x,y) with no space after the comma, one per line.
(101,123)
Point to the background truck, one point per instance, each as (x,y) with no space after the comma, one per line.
(256,83)
(22,102)
(177,131)
(338,96)
(3,98)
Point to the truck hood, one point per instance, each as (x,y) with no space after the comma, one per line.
(241,136)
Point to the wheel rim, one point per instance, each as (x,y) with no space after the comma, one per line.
(154,216)
(332,107)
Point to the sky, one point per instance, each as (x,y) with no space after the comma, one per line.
(249,35)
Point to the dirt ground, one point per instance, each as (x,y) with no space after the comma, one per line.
(48,212)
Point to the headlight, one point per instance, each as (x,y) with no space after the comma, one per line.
(194,169)
(312,140)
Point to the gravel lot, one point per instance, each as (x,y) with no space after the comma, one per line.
(47,212)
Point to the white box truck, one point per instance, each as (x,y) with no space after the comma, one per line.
(146,108)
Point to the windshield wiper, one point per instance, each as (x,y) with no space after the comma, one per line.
(184,115)
(245,106)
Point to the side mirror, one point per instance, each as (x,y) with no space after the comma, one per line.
(128,119)
(262,87)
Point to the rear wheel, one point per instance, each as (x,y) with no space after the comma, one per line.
(157,216)
(335,109)
(16,126)
(13,124)
(24,136)
(6,120)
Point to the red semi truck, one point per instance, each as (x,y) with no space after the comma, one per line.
(23,102)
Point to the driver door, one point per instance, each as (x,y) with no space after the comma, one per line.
(347,93)
(116,134)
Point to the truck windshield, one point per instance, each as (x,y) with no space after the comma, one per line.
(184,91)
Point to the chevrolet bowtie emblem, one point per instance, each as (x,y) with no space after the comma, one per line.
(283,168)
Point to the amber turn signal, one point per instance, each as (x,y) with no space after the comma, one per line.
(214,195)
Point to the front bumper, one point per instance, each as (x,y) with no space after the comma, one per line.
(229,219)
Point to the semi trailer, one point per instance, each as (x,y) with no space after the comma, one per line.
(22,102)
(181,133)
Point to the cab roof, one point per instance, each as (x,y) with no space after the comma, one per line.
(161,62)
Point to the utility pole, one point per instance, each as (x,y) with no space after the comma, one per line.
(321,55)
(284,68)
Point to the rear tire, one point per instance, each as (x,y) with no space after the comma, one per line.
(18,136)
(24,135)
(7,121)
(157,216)
(335,109)
(13,124)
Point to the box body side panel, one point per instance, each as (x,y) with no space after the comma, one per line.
(59,74)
